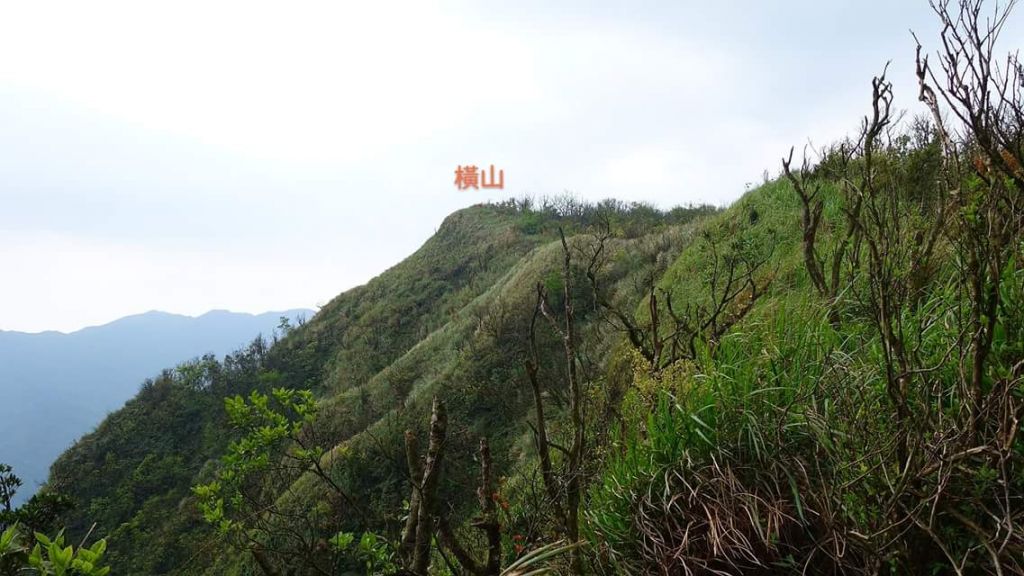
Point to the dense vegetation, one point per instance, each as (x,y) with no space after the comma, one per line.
(823,378)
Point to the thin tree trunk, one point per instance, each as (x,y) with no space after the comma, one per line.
(428,491)
(489,522)
(412,457)
(543,447)
(575,409)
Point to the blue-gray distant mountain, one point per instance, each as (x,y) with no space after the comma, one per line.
(55,387)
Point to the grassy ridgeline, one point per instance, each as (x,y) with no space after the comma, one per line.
(769,441)
(449,320)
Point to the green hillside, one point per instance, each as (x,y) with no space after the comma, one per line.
(823,378)
(739,421)
(448,320)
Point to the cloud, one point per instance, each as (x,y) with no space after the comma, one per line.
(252,156)
(84,282)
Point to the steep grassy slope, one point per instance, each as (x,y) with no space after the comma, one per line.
(833,430)
(449,320)
(738,419)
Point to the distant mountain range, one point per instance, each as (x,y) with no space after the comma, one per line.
(55,387)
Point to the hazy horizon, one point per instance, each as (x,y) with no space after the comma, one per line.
(57,387)
(163,312)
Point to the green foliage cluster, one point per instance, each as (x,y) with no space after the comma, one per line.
(29,522)
(376,556)
(266,430)
(49,557)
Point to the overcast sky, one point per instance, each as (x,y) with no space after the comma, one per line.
(190,156)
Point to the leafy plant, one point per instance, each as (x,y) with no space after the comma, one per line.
(374,552)
(50,556)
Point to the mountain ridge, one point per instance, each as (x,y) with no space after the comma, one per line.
(374,354)
(76,378)
(156,313)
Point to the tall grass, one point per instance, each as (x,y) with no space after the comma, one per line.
(702,482)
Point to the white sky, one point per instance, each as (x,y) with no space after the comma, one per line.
(255,156)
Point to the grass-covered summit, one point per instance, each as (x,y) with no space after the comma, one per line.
(447,320)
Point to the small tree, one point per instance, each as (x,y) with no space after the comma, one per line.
(276,448)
